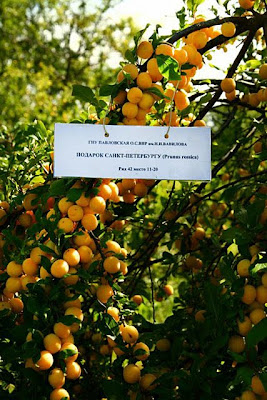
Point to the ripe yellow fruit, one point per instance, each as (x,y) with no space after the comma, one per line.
(134,95)
(137,299)
(104,292)
(130,110)
(243,267)
(83,239)
(75,213)
(56,378)
(24,219)
(145,50)
(13,285)
(131,69)
(68,339)
(89,222)
(145,353)
(257,315)
(64,204)
(128,184)
(52,343)
(231,96)
(59,268)
(249,294)
(73,278)
(36,254)
(3,216)
(200,39)
(44,273)
(146,382)
(264,279)
(73,348)
(71,256)
(144,81)
(120,98)
(61,330)
(28,200)
(83,201)
(140,190)
(73,370)
(129,334)
(66,224)
(97,204)
(181,56)
(85,253)
(227,85)
(14,269)
(248,395)
(244,326)
(199,122)
(165,49)
(112,265)
(46,360)
(16,305)
(112,247)
(257,386)
(261,295)
(236,344)
(146,102)
(247,5)
(263,71)
(30,267)
(199,316)
(59,394)
(27,279)
(163,344)
(114,312)
(159,87)
(72,303)
(168,289)
(75,311)
(131,373)
(153,70)
(228,29)
(181,100)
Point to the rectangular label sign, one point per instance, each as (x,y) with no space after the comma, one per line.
(82,150)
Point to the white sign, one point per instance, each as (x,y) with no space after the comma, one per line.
(82,150)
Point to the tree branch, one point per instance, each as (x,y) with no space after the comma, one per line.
(230,73)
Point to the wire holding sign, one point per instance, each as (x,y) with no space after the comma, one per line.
(81,151)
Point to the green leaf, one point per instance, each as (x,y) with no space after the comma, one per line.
(84,93)
(205,99)
(74,194)
(69,320)
(45,262)
(192,5)
(130,56)
(244,375)
(181,16)
(139,34)
(113,389)
(257,333)
(187,66)
(168,67)
(63,354)
(258,267)
(57,188)
(108,90)
(157,92)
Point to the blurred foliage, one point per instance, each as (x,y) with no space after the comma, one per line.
(48,45)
